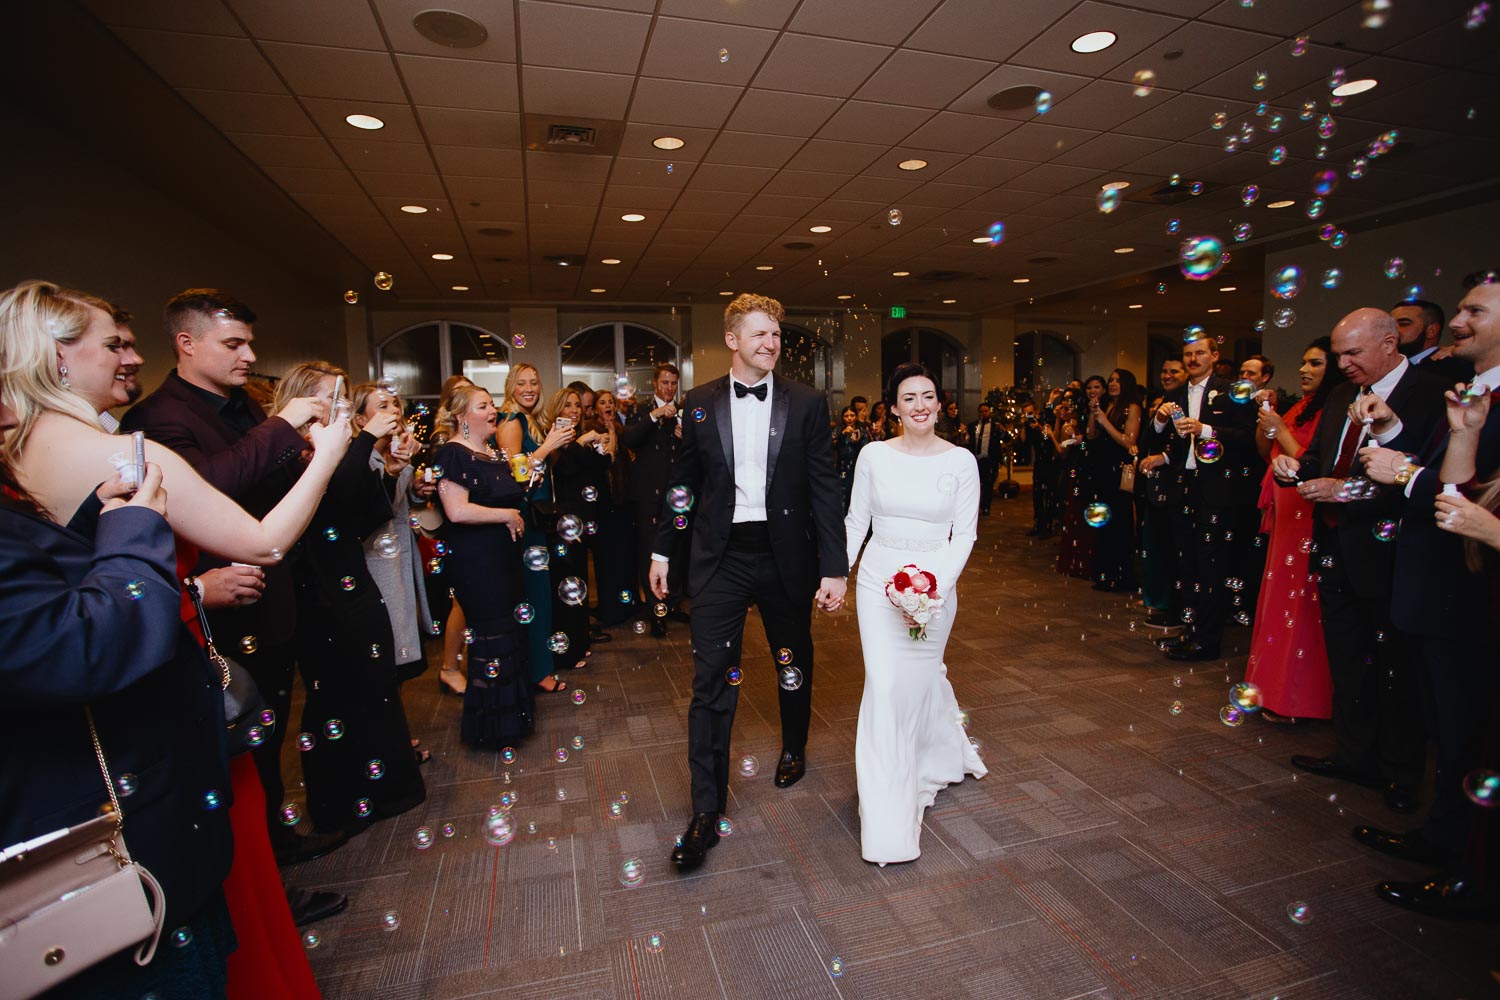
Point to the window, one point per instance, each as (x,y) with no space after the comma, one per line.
(806,357)
(933,348)
(1044,360)
(598,355)
(421,357)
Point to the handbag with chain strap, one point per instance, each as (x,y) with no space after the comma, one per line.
(72,898)
(245,709)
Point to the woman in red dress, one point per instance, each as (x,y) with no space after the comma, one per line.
(1288,661)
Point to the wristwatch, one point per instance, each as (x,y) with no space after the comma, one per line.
(1406,472)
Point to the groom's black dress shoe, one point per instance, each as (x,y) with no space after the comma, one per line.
(702,834)
(1440,896)
(790,769)
(1406,846)
(1330,767)
(1192,650)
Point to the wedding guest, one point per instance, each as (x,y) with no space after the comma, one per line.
(852,436)
(485,529)
(1113,427)
(585,396)
(359,766)
(1075,555)
(950,428)
(987,441)
(861,407)
(879,421)
(524,430)
(654,435)
(1155,491)
(577,470)
(1419,324)
(614,545)
(1036,438)
(1288,660)
(451,676)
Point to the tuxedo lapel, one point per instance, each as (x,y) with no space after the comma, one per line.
(781,406)
(723,421)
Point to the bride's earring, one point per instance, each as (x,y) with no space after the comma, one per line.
(62,373)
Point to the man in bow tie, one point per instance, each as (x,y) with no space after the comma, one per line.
(755,479)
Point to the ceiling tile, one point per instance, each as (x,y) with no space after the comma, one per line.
(329,206)
(401,185)
(1052,178)
(1285,73)
(1286,21)
(462,127)
(170,15)
(573,92)
(706,52)
(883,189)
(938,195)
(210,62)
(1110,150)
(1135,31)
(318,71)
(807,65)
(315,180)
(482,197)
(1205,50)
(730,177)
(923,79)
(761,14)
(563,192)
(692,200)
(677,102)
(889,164)
(329,113)
(552,215)
(285,150)
(638,139)
(460,83)
(1104,104)
(1182,116)
(858,121)
(497,16)
(753,150)
(835,157)
(572,37)
(567,167)
(781,113)
(1035,141)
(342,23)
(975,100)
(650,173)
(679,219)
(806,183)
(402,157)
(987,171)
(263,113)
(984,29)
(957,133)
(884,21)
(629,198)
(477,161)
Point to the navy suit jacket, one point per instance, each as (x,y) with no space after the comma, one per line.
(1235,477)
(100,624)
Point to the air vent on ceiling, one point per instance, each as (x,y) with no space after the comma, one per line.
(1014,98)
(1167,193)
(494,231)
(590,136)
(797,246)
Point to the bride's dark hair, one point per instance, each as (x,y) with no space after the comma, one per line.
(906,370)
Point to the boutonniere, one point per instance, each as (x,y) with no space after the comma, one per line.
(1211,394)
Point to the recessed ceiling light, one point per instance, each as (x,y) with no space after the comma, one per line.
(1116,186)
(1134,305)
(364,121)
(562,263)
(912,164)
(442,256)
(668,142)
(1230,288)
(764,267)
(1215,310)
(460,288)
(949,302)
(1124,249)
(843,297)
(900,274)
(610,260)
(820,229)
(1020,281)
(596,291)
(1094,41)
(1286,203)
(632,217)
(726,293)
(981,239)
(1355,87)
(414,209)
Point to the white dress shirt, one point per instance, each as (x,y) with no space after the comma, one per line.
(1382,388)
(982,439)
(750,420)
(1195,397)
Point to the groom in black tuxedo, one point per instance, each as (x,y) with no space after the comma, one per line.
(757,463)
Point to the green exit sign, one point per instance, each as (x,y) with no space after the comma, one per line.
(898,312)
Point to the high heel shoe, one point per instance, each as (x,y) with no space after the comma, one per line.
(445,687)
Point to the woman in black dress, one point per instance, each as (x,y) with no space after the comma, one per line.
(580,474)
(1113,427)
(852,436)
(483,531)
(614,546)
(357,759)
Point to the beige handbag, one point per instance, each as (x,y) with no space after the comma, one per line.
(1127,476)
(72,898)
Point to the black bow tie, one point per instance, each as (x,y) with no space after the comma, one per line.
(758,391)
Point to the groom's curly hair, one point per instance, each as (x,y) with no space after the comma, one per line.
(748,302)
(906,370)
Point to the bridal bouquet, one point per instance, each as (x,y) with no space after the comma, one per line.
(914,593)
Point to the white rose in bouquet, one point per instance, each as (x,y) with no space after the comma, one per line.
(910,602)
(922,617)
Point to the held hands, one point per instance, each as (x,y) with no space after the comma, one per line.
(304,409)
(1284,467)
(148,494)
(1462,516)
(1382,464)
(1325,490)
(232,586)
(830,596)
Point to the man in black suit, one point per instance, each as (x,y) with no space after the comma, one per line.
(1419,324)
(987,440)
(1207,442)
(201,411)
(1377,725)
(1156,495)
(1442,605)
(654,435)
(757,468)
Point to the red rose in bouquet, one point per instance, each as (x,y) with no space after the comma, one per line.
(914,593)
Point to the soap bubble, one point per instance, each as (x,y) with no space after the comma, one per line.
(1108,200)
(1246,696)
(1332,277)
(351,297)
(783,656)
(499,829)
(384,281)
(1200,257)
(1144,81)
(334,729)
(836,967)
(1274,123)
(790,678)
(558,642)
(1384,531)
(996,233)
(1277,155)
(725,827)
(1325,182)
(590,494)
(733,676)
(1208,450)
(363,808)
(570,527)
(311,939)
(638,627)
(1299,911)
(1175,708)
(1284,317)
(1299,47)
(1174,226)
(655,943)
(1250,193)
(1395,267)
(1219,120)
(749,766)
(448,830)
(723,55)
(1327,127)
(468,637)
(1241,391)
(680,499)
(519,340)
(291,814)
(249,644)
(893,216)
(135,590)
(560,755)
(1195,188)
(374,769)
(1357,168)
(434,566)
(390,921)
(1476,16)
(1097,515)
(1483,788)
(508,755)
(1287,282)
(1259,81)
(423,837)
(633,873)
(387,545)
(579,696)
(572,591)
(305,742)
(1231,716)
(1339,239)
(347,583)
(680,522)
(1043,102)
(524,613)
(1243,232)
(659,609)
(1315,208)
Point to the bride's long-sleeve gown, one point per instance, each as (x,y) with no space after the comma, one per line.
(924,510)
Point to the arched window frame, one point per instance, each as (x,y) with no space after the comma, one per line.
(445,349)
(621,364)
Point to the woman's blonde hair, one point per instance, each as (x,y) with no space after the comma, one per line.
(559,400)
(537,421)
(362,393)
(303,380)
(35,317)
(460,400)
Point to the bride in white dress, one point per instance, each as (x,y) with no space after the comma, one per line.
(920,495)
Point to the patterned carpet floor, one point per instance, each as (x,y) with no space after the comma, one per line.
(1115,850)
